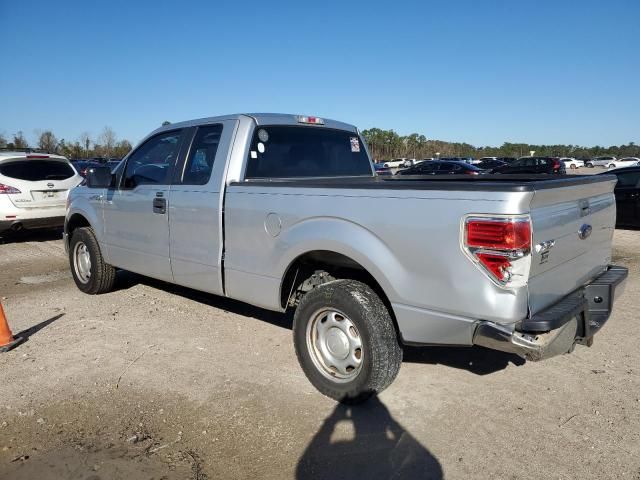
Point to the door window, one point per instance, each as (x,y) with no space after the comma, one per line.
(151,164)
(628,179)
(202,154)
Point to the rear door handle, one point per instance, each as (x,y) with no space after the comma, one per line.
(160,205)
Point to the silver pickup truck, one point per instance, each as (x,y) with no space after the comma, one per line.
(286,212)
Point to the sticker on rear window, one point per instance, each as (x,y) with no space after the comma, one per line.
(355,145)
(254,154)
(261,147)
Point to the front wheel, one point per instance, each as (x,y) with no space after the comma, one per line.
(90,272)
(573,166)
(589,165)
(345,341)
(612,165)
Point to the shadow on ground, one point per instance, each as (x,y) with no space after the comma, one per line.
(23,236)
(365,442)
(125,280)
(477,360)
(25,334)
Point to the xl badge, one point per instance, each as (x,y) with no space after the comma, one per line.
(544,248)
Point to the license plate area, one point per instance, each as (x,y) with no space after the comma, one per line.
(47,195)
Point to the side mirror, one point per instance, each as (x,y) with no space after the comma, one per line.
(99,177)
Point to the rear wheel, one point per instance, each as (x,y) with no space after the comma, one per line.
(573,166)
(88,268)
(345,341)
(612,165)
(589,165)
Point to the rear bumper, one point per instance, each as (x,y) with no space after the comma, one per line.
(31,223)
(574,319)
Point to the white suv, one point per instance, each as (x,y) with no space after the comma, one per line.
(34,189)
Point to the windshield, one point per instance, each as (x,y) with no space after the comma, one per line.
(297,151)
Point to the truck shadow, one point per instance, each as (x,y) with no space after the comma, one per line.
(365,442)
(477,360)
(126,280)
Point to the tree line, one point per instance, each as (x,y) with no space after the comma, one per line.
(383,145)
(387,144)
(105,145)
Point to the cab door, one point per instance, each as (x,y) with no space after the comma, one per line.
(136,213)
(196,207)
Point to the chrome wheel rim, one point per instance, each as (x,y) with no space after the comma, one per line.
(335,345)
(82,262)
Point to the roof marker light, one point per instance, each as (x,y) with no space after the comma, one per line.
(310,120)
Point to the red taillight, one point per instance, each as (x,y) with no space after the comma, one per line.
(471,172)
(498,265)
(500,245)
(498,234)
(6,189)
(556,164)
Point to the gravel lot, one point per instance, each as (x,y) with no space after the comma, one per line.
(155,381)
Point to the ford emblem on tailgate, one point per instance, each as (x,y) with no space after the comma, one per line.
(585,231)
(50,185)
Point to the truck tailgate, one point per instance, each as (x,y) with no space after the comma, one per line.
(572,230)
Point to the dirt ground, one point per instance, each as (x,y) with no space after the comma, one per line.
(158,382)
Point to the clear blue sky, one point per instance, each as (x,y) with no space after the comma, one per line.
(485,72)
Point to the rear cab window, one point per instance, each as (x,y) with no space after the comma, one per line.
(283,151)
(37,170)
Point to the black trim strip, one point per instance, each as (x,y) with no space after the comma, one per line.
(492,183)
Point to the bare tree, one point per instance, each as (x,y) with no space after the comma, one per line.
(48,141)
(85,142)
(3,141)
(108,140)
(19,141)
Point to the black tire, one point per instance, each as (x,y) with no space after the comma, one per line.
(381,352)
(589,165)
(102,275)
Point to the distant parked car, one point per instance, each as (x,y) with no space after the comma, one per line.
(507,159)
(490,163)
(624,162)
(600,161)
(83,165)
(627,194)
(486,159)
(395,163)
(570,162)
(533,165)
(441,167)
(34,189)
(381,169)
(409,162)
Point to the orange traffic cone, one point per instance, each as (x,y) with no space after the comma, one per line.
(7,342)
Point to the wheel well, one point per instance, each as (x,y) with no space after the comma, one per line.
(76,221)
(337,265)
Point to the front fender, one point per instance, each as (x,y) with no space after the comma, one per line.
(83,205)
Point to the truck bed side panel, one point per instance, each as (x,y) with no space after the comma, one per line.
(408,240)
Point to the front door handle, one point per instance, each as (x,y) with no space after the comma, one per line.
(160,205)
